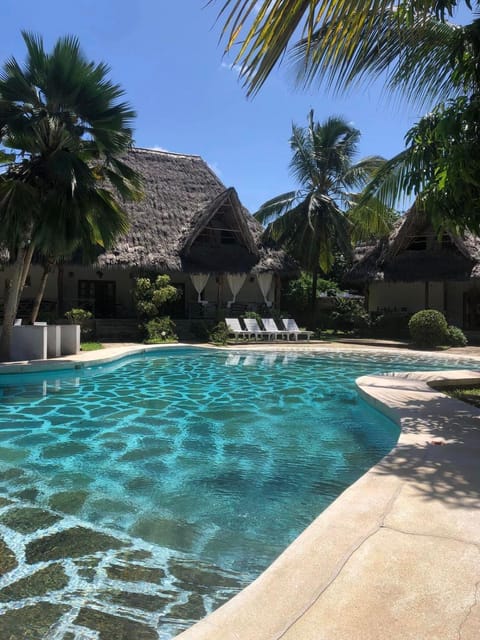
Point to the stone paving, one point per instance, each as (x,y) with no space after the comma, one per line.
(61,579)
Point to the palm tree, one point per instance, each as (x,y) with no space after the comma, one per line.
(63,119)
(416,52)
(314,221)
(343,41)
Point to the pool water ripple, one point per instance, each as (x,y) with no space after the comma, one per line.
(208,462)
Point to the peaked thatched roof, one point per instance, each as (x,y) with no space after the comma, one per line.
(181,196)
(402,257)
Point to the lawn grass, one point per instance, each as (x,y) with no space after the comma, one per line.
(466,394)
(91,346)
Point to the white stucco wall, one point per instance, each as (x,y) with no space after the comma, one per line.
(396,296)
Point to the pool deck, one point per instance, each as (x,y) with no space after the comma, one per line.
(397,555)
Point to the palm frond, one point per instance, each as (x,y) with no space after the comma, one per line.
(276,207)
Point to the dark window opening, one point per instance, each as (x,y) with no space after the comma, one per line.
(227,237)
(418,244)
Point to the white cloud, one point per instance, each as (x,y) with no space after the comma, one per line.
(157,147)
(236,68)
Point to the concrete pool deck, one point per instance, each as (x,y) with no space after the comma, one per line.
(398,553)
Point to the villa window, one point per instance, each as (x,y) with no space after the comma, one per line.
(418,244)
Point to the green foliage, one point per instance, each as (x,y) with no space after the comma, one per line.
(160,330)
(312,223)
(443,162)
(219,334)
(298,292)
(428,328)
(83,318)
(350,314)
(151,296)
(252,314)
(456,337)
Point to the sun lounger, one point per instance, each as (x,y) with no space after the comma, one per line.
(271,326)
(293,329)
(252,325)
(234,326)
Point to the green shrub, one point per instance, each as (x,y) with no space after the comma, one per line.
(297,295)
(252,314)
(151,296)
(219,334)
(350,314)
(456,337)
(428,328)
(84,319)
(160,330)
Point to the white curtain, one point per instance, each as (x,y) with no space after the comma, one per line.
(199,281)
(265,284)
(235,282)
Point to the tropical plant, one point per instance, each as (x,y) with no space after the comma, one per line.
(456,337)
(414,49)
(298,292)
(160,330)
(150,296)
(409,44)
(312,222)
(67,130)
(219,333)
(84,319)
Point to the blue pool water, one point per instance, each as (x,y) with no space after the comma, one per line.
(219,457)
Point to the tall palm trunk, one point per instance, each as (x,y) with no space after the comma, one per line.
(315,267)
(13,290)
(47,267)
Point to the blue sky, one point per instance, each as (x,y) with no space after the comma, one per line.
(167,57)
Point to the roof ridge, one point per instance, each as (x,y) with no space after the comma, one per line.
(166,153)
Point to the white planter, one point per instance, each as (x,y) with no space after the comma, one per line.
(70,339)
(29,342)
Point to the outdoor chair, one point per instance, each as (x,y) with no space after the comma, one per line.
(293,329)
(252,325)
(271,326)
(234,326)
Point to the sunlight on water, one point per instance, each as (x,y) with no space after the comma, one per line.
(212,461)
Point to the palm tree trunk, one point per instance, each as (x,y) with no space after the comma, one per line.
(13,288)
(39,297)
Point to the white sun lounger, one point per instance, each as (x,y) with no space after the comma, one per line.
(293,329)
(254,328)
(234,326)
(271,326)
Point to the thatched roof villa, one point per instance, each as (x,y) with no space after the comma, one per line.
(416,269)
(188,225)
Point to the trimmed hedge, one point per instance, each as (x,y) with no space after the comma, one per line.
(428,328)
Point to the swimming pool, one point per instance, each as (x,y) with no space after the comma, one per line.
(197,467)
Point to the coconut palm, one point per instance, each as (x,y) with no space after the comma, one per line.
(66,124)
(314,221)
(415,51)
(343,41)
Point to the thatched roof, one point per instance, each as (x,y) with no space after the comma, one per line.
(182,199)
(414,252)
